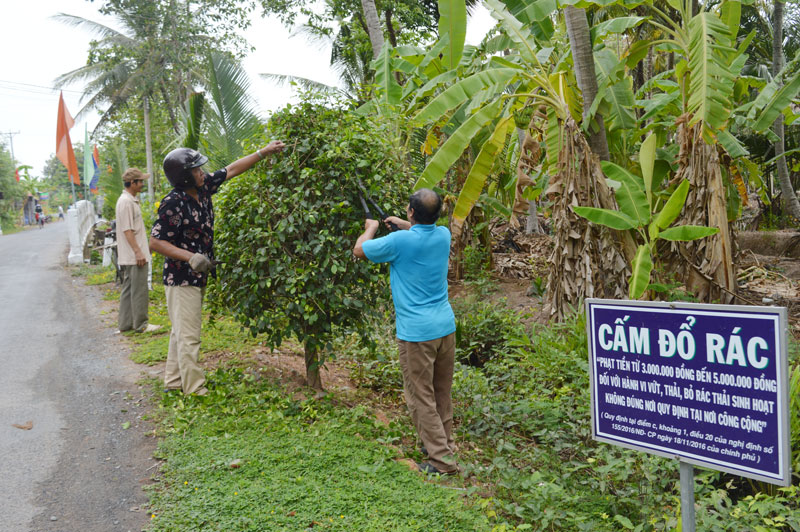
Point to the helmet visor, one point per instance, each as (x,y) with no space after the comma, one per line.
(197,159)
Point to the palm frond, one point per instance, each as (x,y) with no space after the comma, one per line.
(231,116)
(281,80)
(93,27)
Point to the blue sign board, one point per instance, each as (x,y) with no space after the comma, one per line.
(706,384)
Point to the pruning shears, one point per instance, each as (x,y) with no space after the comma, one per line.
(364,197)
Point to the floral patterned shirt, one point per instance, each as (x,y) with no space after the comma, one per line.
(188,224)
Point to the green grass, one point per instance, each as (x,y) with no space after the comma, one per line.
(218,334)
(303,464)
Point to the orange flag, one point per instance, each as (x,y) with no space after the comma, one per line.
(64,144)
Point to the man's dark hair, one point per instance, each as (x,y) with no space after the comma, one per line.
(127,184)
(426,205)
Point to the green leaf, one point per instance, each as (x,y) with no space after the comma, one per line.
(616,89)
(711,80)
(647,160)
(780,100)
(452,149)
(657,103)
(534,14)
(453,23)
(471,190)
(613,219)
(636,52)
(515,29)
(731,15)
(731,144)
(640,278)
(674,206)
(390,90)
(552,138)
(685,233)
(462,91)
(614,25)
(631,196)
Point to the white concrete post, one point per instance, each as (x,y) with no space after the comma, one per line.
(80,218)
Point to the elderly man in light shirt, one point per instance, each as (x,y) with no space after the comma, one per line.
(133,255)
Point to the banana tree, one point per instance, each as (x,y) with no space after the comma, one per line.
(641,211)
(589,260)
(708,66)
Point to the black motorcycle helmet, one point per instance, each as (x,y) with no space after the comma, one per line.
(178,166)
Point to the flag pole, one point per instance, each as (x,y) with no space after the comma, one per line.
(87,161)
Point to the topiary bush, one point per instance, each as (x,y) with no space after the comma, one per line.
(285,230)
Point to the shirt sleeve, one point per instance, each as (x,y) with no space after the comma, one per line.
(215,180)
(382,249)
(168,223)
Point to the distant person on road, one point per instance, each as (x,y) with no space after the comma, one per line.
(184,234)
(60,212)
(133,255)
(418,257)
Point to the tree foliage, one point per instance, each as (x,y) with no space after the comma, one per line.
(285,229)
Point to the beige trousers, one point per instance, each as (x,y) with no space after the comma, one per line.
(133,298)
(427,380)
(185,306)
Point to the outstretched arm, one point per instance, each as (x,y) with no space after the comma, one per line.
(246,163)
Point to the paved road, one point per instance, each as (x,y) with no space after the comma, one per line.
(61,368)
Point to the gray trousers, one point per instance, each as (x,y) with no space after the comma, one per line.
(133,298)
(427,380)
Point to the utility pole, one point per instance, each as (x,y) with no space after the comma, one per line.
(10,135)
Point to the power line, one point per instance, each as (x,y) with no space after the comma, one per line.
(37,86)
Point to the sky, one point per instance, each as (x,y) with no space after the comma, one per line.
(37,49)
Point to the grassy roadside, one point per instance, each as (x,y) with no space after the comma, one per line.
(253,455)
(250,457)
(252,448)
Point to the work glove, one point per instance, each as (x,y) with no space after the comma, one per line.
(200,263)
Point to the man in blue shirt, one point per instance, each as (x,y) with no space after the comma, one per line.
(418,256)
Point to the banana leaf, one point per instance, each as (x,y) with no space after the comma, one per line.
(616,89)
(731,144)
(462,91)
(647,160)
(711,81)
(453,23)
(613,219)
(473,186)
(641,269)
(673,207)
(390,90)
(780,100)
(631,196)
(685,233)
(614,25)
(452,149)
(515,30)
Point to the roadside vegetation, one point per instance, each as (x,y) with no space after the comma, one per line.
(262,453)
(637,138)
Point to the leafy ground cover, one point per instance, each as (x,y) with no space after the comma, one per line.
(250,457)
(254,455)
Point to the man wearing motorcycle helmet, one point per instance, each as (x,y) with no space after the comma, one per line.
(184,234)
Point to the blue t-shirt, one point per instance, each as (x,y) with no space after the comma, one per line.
(418,274)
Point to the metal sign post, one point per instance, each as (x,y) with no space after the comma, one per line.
(687,497)
(705,384)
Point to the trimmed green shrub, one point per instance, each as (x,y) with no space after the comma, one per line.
(285,230)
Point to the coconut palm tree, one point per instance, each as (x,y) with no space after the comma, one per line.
(122,64)
(790,203)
